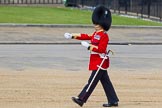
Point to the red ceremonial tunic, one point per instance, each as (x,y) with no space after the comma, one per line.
(100,41)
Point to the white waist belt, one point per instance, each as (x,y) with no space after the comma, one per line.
(102,55)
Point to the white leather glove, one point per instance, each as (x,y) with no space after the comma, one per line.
(68,35)
(85,44)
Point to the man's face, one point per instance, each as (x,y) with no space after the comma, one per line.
(97,27)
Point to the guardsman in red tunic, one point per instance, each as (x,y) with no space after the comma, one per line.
(101,19)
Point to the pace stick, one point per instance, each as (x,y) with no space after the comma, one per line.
(99,67)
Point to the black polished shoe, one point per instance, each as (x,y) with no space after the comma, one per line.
(111,104)
(77,101)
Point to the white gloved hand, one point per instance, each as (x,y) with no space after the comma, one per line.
(85,44)
(68,35)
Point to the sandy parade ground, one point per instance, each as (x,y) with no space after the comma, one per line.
(30,79)
(50,88)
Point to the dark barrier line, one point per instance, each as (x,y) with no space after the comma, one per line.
(75,26)
(37,43)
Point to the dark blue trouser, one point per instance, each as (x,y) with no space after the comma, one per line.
(106,83)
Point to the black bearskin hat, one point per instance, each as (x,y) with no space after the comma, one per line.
(102,16)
